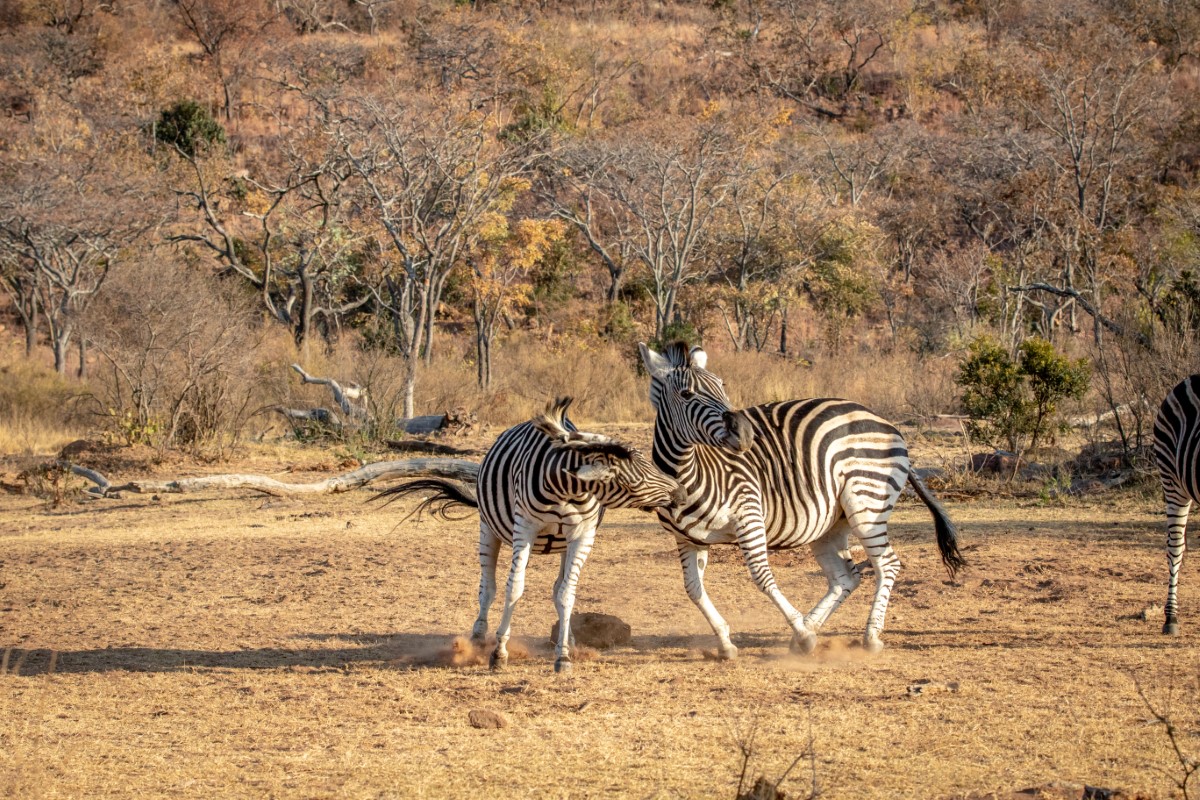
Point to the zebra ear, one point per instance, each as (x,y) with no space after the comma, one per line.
(595,473)
(698,358)
(656,363)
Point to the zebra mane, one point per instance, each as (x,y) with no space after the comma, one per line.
(677,353)
(552,423)
(680,354)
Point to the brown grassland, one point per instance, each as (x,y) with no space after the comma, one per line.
(240,646)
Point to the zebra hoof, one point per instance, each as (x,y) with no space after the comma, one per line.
(562,665)
(803,645)
(727,653)
(872,644)
(1171,627)
(497,662)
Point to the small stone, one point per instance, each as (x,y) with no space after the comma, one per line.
(482,718)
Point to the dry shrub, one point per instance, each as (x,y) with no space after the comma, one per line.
(178,348)
(38,408)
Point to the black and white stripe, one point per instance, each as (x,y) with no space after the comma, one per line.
(1177,452)
(543,487)
(781,475)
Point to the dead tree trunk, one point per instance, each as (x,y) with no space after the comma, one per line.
(454,468)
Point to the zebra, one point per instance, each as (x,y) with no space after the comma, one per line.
(1177,453)
(543,487)
(777,476)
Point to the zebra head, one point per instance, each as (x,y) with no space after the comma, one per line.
(617,474)
(691,402)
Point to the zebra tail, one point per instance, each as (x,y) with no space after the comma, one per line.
(947,535)
(446,495)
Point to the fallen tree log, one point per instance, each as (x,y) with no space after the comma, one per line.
(423,425)
(453,468)
(321,415)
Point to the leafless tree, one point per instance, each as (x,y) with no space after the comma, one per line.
(663,193)
(224,29)
(285,231)
(70,209)
(428,179)
(574,190)
(1089,117)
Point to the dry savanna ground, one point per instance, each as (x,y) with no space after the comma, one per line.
(232,645)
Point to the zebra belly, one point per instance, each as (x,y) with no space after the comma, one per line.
(783,531)
(726,534)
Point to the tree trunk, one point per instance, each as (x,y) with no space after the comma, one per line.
(62,340)
(30,333)
(483,357)
(614,285)
(304,329)
(27,310)
(410,383)
(783,331)
(82,372)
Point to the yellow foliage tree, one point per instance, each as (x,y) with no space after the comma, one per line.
(500,264)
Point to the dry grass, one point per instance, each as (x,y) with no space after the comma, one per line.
(38,408)
(244,646)
(40,412)
(896,384)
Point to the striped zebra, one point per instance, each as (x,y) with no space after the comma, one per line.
(779,476)
(543,487)
(1177,452)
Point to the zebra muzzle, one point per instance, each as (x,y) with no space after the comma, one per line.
(739,433)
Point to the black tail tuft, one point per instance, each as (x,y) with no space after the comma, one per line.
(947,535)
(446,495)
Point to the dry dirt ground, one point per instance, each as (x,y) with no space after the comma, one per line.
(241,646)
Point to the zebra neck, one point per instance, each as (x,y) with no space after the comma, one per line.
(558,479)
(670,454)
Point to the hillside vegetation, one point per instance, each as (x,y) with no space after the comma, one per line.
(485,203)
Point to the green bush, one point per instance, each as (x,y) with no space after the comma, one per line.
(1013,402)
(188,125)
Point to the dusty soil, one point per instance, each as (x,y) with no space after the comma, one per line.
(241,646)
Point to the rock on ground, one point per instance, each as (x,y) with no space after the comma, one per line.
(596,630)
(483,718)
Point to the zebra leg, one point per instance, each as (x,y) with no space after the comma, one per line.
(558,584)
(522,543)
(694,560)
(1177,517)
(489,556)
(752,538)
(832,552)
(564,596)
(871,529)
